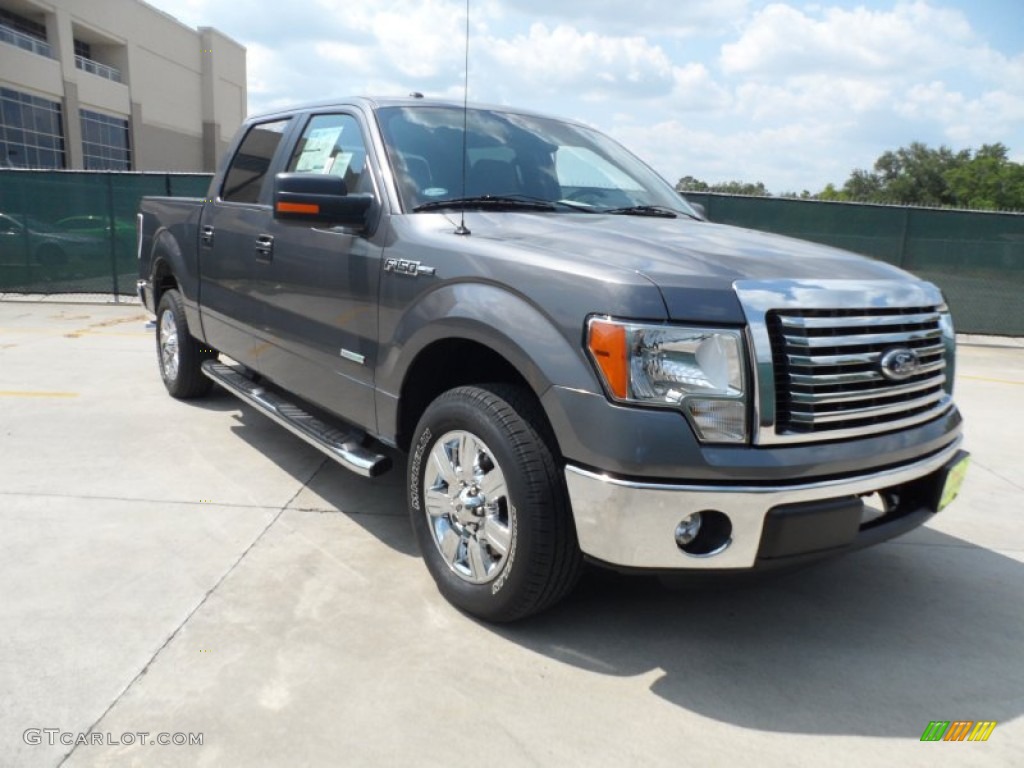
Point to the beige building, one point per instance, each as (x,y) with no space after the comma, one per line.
(114,84)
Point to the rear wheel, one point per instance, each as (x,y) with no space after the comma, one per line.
(180,355)
(50,255)
(489,505)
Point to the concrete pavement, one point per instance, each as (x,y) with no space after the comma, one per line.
(194,569)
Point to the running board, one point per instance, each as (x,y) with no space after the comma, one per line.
(345,447)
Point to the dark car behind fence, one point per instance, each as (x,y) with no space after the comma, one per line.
(73,232)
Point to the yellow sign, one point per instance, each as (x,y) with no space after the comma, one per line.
(958,730)
(954,479)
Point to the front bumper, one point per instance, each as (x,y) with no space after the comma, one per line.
(632,524)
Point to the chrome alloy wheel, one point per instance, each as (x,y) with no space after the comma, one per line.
(468,509)
(169,354)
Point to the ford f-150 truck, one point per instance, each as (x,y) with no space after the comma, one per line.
(578,365)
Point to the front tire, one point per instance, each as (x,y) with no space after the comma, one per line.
(489,505)
(179,354)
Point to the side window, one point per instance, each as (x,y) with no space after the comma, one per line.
(334,144)
(249,166)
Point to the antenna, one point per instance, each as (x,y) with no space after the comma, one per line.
(462,229)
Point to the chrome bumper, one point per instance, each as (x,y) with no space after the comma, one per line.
(142,288)
(632,524)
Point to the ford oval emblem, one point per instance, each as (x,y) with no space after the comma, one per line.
(899,363)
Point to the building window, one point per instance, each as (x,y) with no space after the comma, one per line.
(31,131)
(105,145)
(83,49)
(24,33)
(23,25)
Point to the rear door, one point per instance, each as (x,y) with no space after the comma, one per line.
(318,283)
(228,238)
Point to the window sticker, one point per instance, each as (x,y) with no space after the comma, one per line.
(317,151)
(338,163)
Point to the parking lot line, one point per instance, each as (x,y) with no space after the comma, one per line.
(16,393)
(994,381)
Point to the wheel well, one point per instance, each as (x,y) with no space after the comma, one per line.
(445,365)
(163,280)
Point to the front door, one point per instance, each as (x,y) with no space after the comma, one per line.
(318,284)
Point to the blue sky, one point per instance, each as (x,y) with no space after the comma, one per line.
(793,94)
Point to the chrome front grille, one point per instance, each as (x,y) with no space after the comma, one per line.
(828,371)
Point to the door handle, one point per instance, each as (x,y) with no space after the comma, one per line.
(206,235)
(265,248)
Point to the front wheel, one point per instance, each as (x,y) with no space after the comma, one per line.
(180,355)
(489,506)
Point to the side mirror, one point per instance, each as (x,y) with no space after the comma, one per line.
(318,197)
(700,209)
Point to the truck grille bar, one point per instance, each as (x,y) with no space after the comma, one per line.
(828,371)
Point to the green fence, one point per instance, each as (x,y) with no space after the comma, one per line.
(74,231)
(976,258)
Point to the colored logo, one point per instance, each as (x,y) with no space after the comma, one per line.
(900,363)
(958,730)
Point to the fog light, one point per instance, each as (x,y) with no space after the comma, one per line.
(704,533)
(687,530)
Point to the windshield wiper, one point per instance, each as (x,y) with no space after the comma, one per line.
(643,210)
(499,202)
(518,202)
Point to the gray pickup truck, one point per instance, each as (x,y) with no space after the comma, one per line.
(577,364)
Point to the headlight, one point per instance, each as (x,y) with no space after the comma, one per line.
(699,370)
(949,341)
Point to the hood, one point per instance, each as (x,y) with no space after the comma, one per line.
(693,263)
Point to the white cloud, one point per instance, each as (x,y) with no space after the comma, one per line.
(696,89)
(785,155)
(784,41)
(967,121)
(813,97)
(421,39)
(592,65)
(792,94)
(680,18)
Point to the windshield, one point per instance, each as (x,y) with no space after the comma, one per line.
(510,156)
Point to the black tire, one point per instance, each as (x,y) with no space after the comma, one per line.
(515,498)
(178,353)
(51,255)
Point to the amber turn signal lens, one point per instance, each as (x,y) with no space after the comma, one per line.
(310,208)
(607,343)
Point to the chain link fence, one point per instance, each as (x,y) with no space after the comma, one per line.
(74,232)
(975,257)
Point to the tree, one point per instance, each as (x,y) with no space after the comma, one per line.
(989,180)
(919,175)
(690,184)
(862,185)
(831,193)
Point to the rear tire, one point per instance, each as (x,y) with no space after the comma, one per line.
(50,255)
(179,354)
(489,505)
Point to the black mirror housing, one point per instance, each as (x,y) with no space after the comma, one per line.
(317,197)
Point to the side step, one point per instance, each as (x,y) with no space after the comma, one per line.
(345,447)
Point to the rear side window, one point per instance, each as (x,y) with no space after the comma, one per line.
(249,166)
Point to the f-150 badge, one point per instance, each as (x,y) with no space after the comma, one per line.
(410,268)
